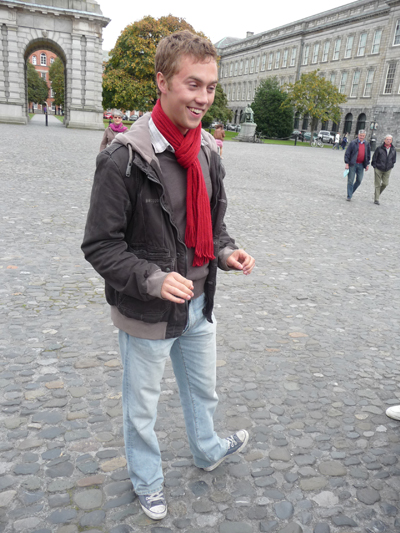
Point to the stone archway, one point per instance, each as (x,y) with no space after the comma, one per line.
(74,34)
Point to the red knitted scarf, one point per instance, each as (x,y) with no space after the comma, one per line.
(198,213)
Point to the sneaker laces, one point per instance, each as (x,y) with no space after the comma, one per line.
(232,441)
(156,496)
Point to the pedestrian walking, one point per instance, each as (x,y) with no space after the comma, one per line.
(219,136)
(155,232)
(115,127)
(344,141)
(383,161)
(356,158)
(337,142)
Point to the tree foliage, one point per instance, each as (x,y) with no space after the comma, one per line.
(38,90)
(273,120)
(219,110)
(128,79)
(312,94)
(57,78)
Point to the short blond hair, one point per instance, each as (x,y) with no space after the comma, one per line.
(172,48)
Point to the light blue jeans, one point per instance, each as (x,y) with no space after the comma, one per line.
(356,171)
(193,357)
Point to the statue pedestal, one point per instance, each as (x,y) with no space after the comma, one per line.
(247,131)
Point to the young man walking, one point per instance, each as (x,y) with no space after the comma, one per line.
(357,158)
(383,161)
(155,232)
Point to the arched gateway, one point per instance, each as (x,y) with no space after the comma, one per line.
(72,29)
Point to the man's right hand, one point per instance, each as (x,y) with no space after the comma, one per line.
(177,289)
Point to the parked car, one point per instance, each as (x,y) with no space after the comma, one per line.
(307,136)
(107,115)
(124,117)
(133,117)
(326,136)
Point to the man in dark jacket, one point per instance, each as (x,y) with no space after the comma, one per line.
(357,158)
(155,232)
(383,161)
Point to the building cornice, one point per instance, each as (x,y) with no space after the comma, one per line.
(57,11)
(307,26)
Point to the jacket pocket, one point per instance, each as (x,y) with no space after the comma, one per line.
(158,256)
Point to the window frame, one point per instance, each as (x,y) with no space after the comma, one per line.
(396,34)
(270,60)
(349,49)
(293,56)
(285,58)
(315,54)
(277,59)
(325,52)
(343,82)
(362,46)
(43,60)
(306,54)
(336,49)
(355,83)
(369,83)
(374,43)
(390,65)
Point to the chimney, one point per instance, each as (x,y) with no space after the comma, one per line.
(249,34)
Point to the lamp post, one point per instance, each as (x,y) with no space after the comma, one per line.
(373,128)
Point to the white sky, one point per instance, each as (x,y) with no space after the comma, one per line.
(215,19)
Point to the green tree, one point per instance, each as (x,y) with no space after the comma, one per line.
(219,109)
(271,118)
(312,94)
(37,86)
(57,78)
(128,79)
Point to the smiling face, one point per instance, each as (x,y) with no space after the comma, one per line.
(187,96)
(117,119)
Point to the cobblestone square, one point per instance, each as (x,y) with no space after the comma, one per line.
(308,356)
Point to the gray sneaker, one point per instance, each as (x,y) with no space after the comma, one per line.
(154,505)
(236,443)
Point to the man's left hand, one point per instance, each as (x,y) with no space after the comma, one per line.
(241,260)
(366,168)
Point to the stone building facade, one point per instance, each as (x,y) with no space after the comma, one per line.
(356,47)
(71,30)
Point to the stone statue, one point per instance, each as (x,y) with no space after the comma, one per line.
(248,115)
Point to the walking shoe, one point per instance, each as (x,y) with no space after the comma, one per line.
(393,412)
(377,202)
(154,505)
(236,444)
(348,199)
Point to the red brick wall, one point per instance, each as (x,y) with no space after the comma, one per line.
(50,56)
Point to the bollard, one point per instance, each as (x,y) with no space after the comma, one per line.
(46,119)
(295,140)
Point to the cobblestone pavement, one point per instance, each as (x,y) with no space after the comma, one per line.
(308,353)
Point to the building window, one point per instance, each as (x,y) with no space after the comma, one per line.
(390,78)
(361,44)
(34,60)
(315,53)
(51,60)
(226,70)
(255,90)
(326,51)
(43,59)
(252,65)
(244,91)
(249,93)
(336,50)
(231,69)
(246,67)
(284,60)
(306,53)
(277,59)
(264,59)
(270,58)
(236,68)
(296,121)
(233,92)
(241,68)
(51,93)
(349,46)
(377,42)
(258,64)
(397,33)
(354,85)
(293,58)
(43,76)
(238,92)
(343,80)
(333,78)
(305,122)
(361,122)
(348,122)
(368,83)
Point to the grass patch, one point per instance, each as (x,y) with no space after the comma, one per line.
(31,115)
(59,117)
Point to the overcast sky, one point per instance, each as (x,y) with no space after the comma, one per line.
(215,19)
